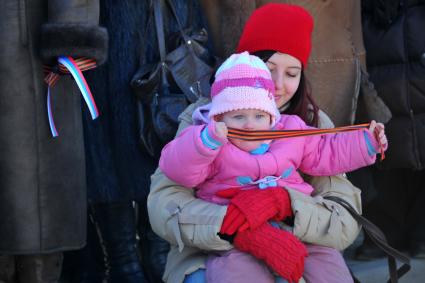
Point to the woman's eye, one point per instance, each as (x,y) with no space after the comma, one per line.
(292,75)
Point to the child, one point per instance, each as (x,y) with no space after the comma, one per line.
(203,157)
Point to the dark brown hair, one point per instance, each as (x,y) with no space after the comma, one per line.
(302,103)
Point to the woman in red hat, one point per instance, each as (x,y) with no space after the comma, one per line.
(280,34)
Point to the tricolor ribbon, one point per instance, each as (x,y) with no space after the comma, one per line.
(279,134)
(67,65)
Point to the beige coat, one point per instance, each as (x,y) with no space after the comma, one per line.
(337,61)
(191,225)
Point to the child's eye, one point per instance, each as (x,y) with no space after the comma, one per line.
(238,117)
(260,116)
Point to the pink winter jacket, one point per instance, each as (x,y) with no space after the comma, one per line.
(189,162)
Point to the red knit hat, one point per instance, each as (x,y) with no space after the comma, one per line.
(280,27)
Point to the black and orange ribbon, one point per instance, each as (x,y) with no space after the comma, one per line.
(279,134)
(54,73)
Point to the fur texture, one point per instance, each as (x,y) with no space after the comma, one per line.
(74,40)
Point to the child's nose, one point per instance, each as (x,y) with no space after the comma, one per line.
(249,124)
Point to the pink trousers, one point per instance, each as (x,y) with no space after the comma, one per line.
(323,265)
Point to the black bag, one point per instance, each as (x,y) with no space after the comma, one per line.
(166,88)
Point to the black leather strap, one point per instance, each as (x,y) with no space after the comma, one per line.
(380,240)
(159,26)
(160,35)
(179,24)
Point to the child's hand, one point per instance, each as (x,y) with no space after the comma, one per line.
(378,131)
(221,129)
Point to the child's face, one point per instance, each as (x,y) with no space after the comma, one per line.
(247,119)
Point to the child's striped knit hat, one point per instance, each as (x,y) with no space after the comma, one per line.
(243,81)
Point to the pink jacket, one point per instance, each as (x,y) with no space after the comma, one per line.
(189,162)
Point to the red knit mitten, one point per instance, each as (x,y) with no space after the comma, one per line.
(233,221)
(258,206)
(279,249)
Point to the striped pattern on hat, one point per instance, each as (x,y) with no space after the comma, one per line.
(243,81)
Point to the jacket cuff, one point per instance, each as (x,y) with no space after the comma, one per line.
(76,40)
(209,137)
(208,140)
(371,144)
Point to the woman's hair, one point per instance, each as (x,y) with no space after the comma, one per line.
(302,103)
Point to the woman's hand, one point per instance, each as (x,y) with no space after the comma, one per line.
(378,130)
(221,130)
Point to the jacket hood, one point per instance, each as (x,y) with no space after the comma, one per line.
(200,115)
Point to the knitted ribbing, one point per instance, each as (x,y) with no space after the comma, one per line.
(279,249)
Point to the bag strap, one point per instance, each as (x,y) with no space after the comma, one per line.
(179,23)
(160,35)
(144,35)
(380,240)
(159,27)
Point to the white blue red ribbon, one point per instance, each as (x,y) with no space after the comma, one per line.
(50,116)
(78,76)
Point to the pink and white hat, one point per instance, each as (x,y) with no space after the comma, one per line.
(243,81)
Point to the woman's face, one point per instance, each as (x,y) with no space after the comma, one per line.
(286,75)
